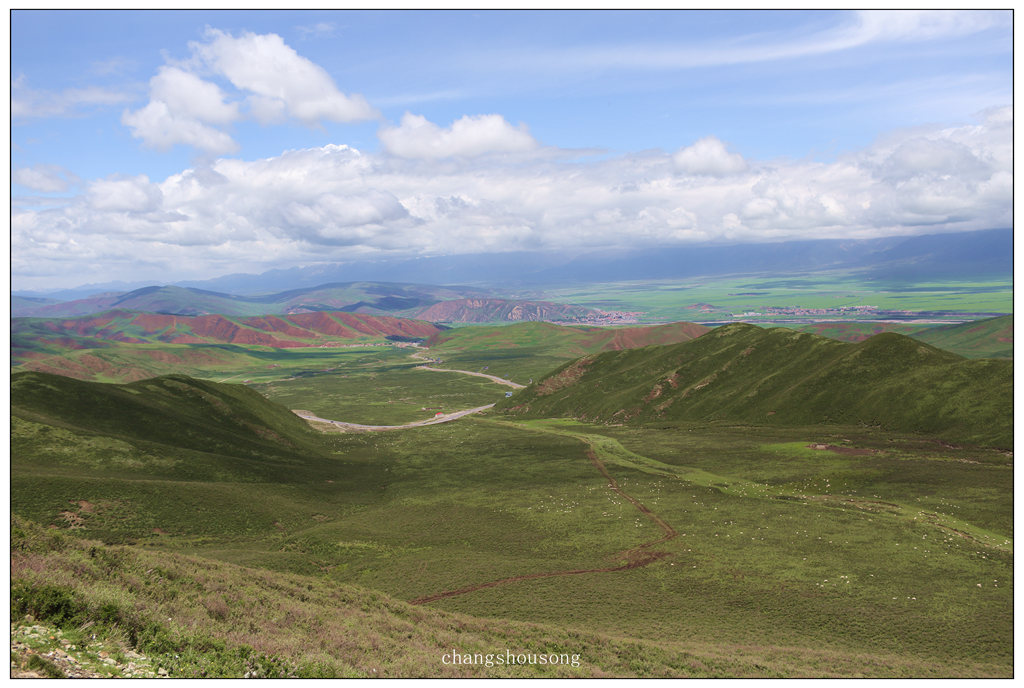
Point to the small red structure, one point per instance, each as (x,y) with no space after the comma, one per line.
(438,414)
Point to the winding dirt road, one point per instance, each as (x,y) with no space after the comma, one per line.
(448,417)
(494,378)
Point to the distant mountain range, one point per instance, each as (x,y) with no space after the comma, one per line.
(975,254)
(357,297)
(423,302)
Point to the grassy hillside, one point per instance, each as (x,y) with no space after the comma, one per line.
(855,331)
(698,549)
(779,377)
(528,350)
(991,338)
(101,346)
(172,426)
(201,618)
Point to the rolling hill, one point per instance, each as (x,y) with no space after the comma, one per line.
(526,350)
(35,340)
(226,423)
(780,377)
(991,338)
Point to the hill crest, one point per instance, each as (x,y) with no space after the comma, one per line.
(777,376)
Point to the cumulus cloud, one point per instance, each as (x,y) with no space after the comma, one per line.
(124,194)
(708,156)
(469,136)
(269,82)
(161,127)
(183,109)
(279,77)
(337,203)
(189,96)
(44,178)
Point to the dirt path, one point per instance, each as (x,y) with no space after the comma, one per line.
(356,427)
(636,557)
(494,378)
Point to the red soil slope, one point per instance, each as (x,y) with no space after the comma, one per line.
(299,330)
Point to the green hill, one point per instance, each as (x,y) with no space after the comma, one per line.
(131,345)
(991,338)
(781,377)
(528,350)
(171,426)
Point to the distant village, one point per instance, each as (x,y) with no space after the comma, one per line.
(605,318)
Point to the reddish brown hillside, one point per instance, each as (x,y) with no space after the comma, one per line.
(220,329)
(272,323)
(636,337)
(300,330)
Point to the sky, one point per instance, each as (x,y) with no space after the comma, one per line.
(160,146)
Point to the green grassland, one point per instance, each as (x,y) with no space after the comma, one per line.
(669,300)
(781,377)
(526,351)
(987,338)
(892,560)
(378,387)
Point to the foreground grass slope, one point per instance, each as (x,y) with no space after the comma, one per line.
(200,618)
(882,554)
(778,376)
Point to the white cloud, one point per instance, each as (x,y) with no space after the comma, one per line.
(44,178)
(318,30)
(189,96)
(855,29)
(28,103)
(921,25)
(127,195)
(265,66)
(336,203)
(469,136)
(268,77)
(708,156)
(160,127)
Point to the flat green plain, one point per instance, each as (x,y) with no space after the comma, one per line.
(672,300)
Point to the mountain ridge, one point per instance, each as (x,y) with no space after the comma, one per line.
(776,376)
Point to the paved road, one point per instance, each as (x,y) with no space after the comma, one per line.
(308,415)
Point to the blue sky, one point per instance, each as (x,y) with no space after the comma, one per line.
(188,144)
